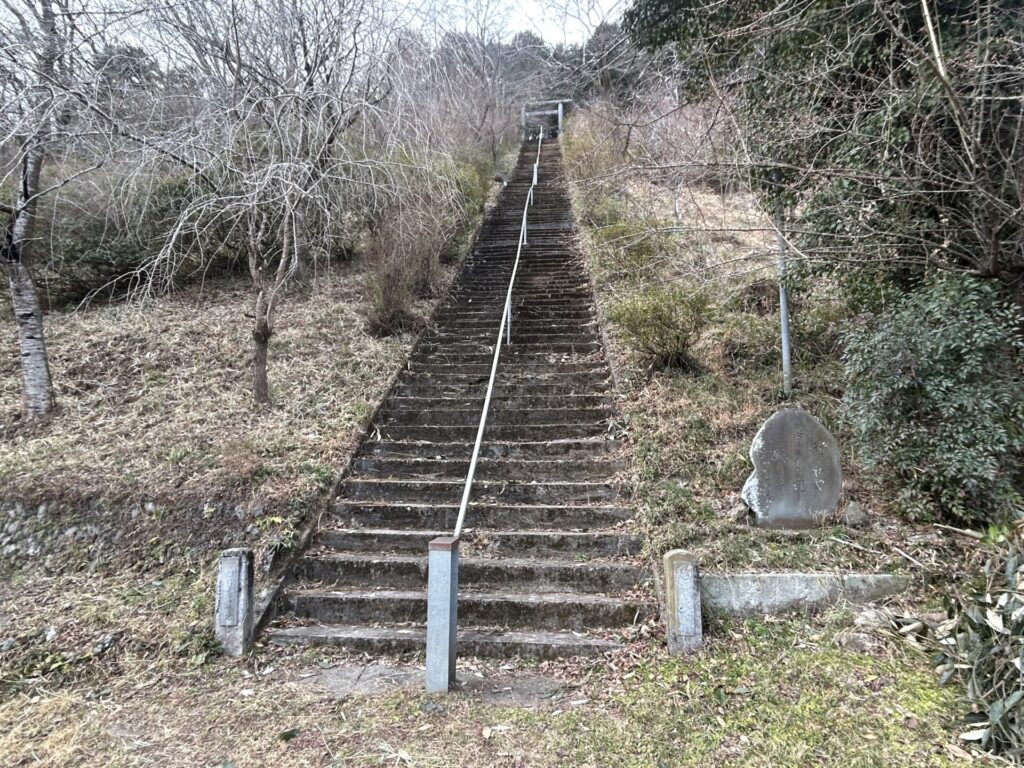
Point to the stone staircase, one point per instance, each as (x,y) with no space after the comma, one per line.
(546,568)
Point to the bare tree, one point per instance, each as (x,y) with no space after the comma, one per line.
(29,124)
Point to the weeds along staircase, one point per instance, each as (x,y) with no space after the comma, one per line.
(546,569)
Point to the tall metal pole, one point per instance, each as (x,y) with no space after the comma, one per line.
(787,366)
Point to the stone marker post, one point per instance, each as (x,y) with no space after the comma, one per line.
(234,614)
(682,593)
(442,612)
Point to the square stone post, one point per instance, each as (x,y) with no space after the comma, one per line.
(442,612)
(682,595)
(560,113)
(234,616)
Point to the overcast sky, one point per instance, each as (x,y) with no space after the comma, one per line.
(562,22)
(555,20)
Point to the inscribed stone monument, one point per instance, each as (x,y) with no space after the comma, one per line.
(797,479)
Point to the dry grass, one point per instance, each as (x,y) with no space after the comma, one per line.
(757,696)
(155,401)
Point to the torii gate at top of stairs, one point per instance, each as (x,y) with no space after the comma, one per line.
(548,115)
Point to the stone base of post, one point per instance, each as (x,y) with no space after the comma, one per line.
(442,613)
(682,592)
(233,613)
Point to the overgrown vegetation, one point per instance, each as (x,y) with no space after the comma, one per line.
(664,324)
(888,135)
(934,394)
(982,644)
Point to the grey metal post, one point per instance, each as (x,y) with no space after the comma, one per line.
(559,118)
(442,612)
(233,620)
(534,178)
(787,366)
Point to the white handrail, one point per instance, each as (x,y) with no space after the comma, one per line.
(443,560)
(506,322)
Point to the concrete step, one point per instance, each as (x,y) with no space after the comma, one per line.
(507,610)
(483,368)
(487,336)
(513,376)
(513,357)
(491,644)
(522,344)
(497,414)
(528,575)
(475,402)
(427,386)
(582,449)
(573,517)
(545,544)
(488,469)
(494,432)
(484,491)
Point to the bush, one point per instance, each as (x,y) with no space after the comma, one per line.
(983,645)
(630,251)
(397,271)
(744,342)
(663,324)
(935,399)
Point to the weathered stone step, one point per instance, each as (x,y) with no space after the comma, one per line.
(426,386)
(493,644)
(583,449)
(523,328)
(546,336)
(484,491)
(519,470)
(410,572)
(496,432)
(512,356)
(498,414)
(475,402)
(507,610)
(504,516)
(516,368)
(577,298)
(496,279)
(551,544)
(507,380)
(486,307)
(521,345)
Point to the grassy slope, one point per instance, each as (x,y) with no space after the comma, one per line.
(156,402)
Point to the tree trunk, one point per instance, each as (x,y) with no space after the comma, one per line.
(260,383)
(36,387)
